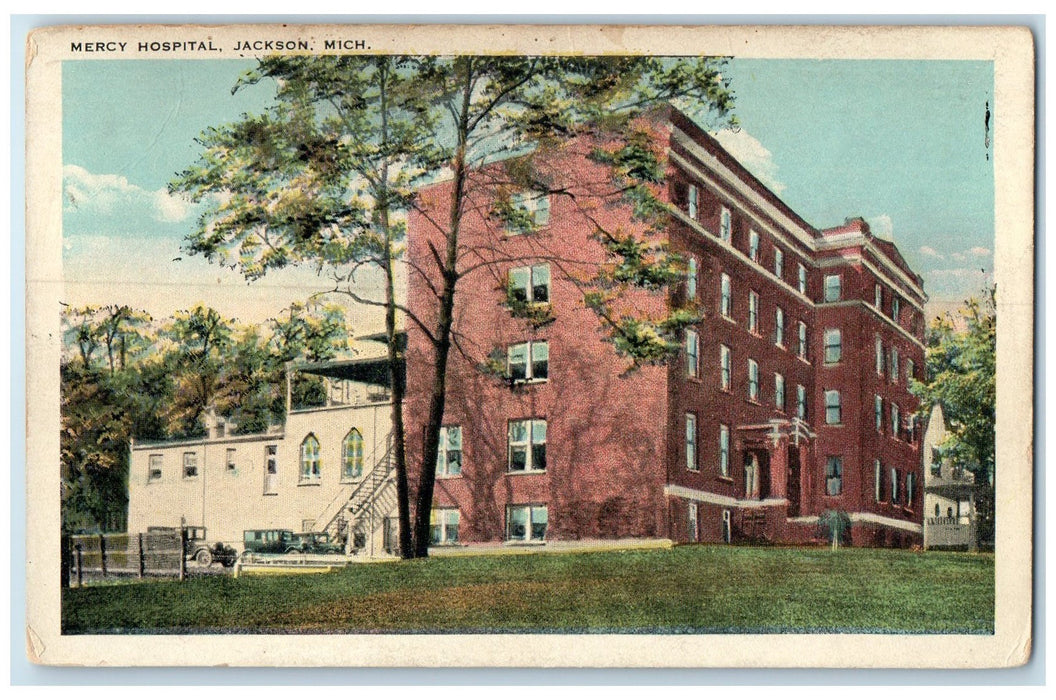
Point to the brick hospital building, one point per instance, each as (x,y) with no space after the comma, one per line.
(789,399)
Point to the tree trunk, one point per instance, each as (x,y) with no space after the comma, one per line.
(442,338)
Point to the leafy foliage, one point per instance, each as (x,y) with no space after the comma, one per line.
(961,374)
(158,379)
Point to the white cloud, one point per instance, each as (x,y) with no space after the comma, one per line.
(928,252)
(753,155)
(87,194)
(979,252)
(881,226)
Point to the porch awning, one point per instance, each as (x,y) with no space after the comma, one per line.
(368,370)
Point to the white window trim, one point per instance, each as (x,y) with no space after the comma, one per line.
(690,444)
(753,312)
(692,348)
(442,453)
(725,368)
(151,467)
(530,523)
(185,464)
(529,443)
(529,376)
(753,380)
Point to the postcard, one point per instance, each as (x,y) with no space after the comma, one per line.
(530,346)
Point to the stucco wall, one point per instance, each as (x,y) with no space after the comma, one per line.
(228,501)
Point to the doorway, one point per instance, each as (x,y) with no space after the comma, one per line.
(793,482)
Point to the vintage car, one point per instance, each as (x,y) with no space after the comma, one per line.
(273,541)
(317,543)
(196,548)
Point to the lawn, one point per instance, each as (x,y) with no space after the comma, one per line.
(687,589)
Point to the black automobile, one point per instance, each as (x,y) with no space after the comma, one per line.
(273,541)
(196,548)
(317,543)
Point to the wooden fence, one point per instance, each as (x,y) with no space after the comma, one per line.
(155,553)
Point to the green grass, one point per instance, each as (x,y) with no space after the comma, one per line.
(680,590)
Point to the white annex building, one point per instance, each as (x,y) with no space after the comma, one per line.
(326,469)
(950,517)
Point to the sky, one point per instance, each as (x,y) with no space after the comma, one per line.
(900,143)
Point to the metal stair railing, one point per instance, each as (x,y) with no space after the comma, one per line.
(334,510)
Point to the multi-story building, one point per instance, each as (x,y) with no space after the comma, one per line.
(789,398)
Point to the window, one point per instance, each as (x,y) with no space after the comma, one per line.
(879,357)
(190,465)
(533,206)
(779,391)
(527,441)
(833,345)
(691,521)
(833,409)
(724,450)
(725,365)
(911,480)
(518,366)
(878,481)
(878,297)
(801,402)
(443,526)
(753,312)
(726,302)
(834,476)
(894,365)
(779,327)
(878,411)
(802,349)
(895,424)
(526,523)
(911,428)
(936,462)
(725,225)
(910,368)
(779,263)
(691,202)
(691,442)
(802,276)
(230,459)
(894,485)
(310,462)
(753,380)
(692,352)
(530,285)
(352,455)
(691,278)
(449,451)
(894,308)
(753,246)
(833,292)
(271,468)
(154,468)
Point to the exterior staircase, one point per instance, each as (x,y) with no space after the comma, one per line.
(362,507)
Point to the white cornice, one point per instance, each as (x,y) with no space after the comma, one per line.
(872,309)
(732,250)
(736,184)
(719,499)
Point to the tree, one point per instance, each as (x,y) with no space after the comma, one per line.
(961,375)
(200,339)
(328,176)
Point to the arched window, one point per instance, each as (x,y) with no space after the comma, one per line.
(352,455)
(310,462)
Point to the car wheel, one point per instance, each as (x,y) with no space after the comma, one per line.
(204,557)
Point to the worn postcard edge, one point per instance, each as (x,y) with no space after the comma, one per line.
(1012,52)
